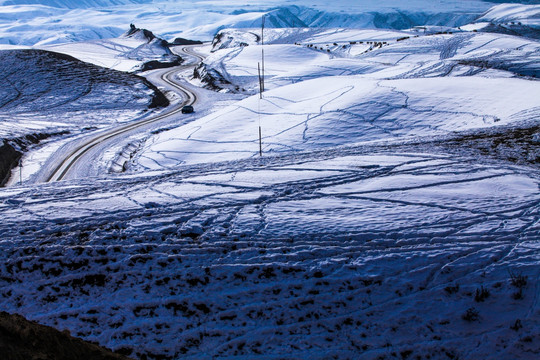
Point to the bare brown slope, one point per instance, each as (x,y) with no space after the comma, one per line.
(27,340)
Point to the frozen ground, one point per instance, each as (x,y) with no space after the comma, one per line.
(370,251)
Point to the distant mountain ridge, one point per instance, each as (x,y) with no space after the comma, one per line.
(74,4)
(71,21)
(525,2)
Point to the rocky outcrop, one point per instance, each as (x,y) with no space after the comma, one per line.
(12,150)
(142,33)
(182,41)
(158,98)
(156,64)
(211,78)
(9,157)
(154,50)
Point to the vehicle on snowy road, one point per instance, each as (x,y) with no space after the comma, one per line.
(188,109)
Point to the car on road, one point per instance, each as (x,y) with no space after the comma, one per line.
(188,109)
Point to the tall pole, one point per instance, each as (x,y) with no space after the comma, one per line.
(260,98)
(260,141)
(261,83)
(262,49)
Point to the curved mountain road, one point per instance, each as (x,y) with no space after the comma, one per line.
(85,151)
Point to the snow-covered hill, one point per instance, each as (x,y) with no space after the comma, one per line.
(50,94)
(135,50)
(363,6)
(328,95)
(506,13)
(41,85)
(412,53)
(342,110)
(51,22)
(513,19)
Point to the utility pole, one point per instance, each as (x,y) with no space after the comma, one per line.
(262,49)
(261,83)
(260,98)
(260,141)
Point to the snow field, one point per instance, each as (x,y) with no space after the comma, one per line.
(232,38)
(324,253)
(240,65)
(110,53)
(466,72)
(460,54)
(128,52)
(505,13)
(336,111)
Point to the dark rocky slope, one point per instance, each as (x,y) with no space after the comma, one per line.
(21,339)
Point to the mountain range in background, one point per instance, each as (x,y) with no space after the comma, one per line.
(29,23)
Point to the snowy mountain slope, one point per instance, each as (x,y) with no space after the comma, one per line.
(511,19)
(132,51)
(239,66)
(110,53)
(505,13)
(462,54)
(443,84)
(47,94)
(43,85)
(394,18)
(373,16)
(231,38)
(365,5)
(343,252)
(36,24)
(380,54)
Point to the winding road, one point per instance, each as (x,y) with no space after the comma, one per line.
(86,149)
